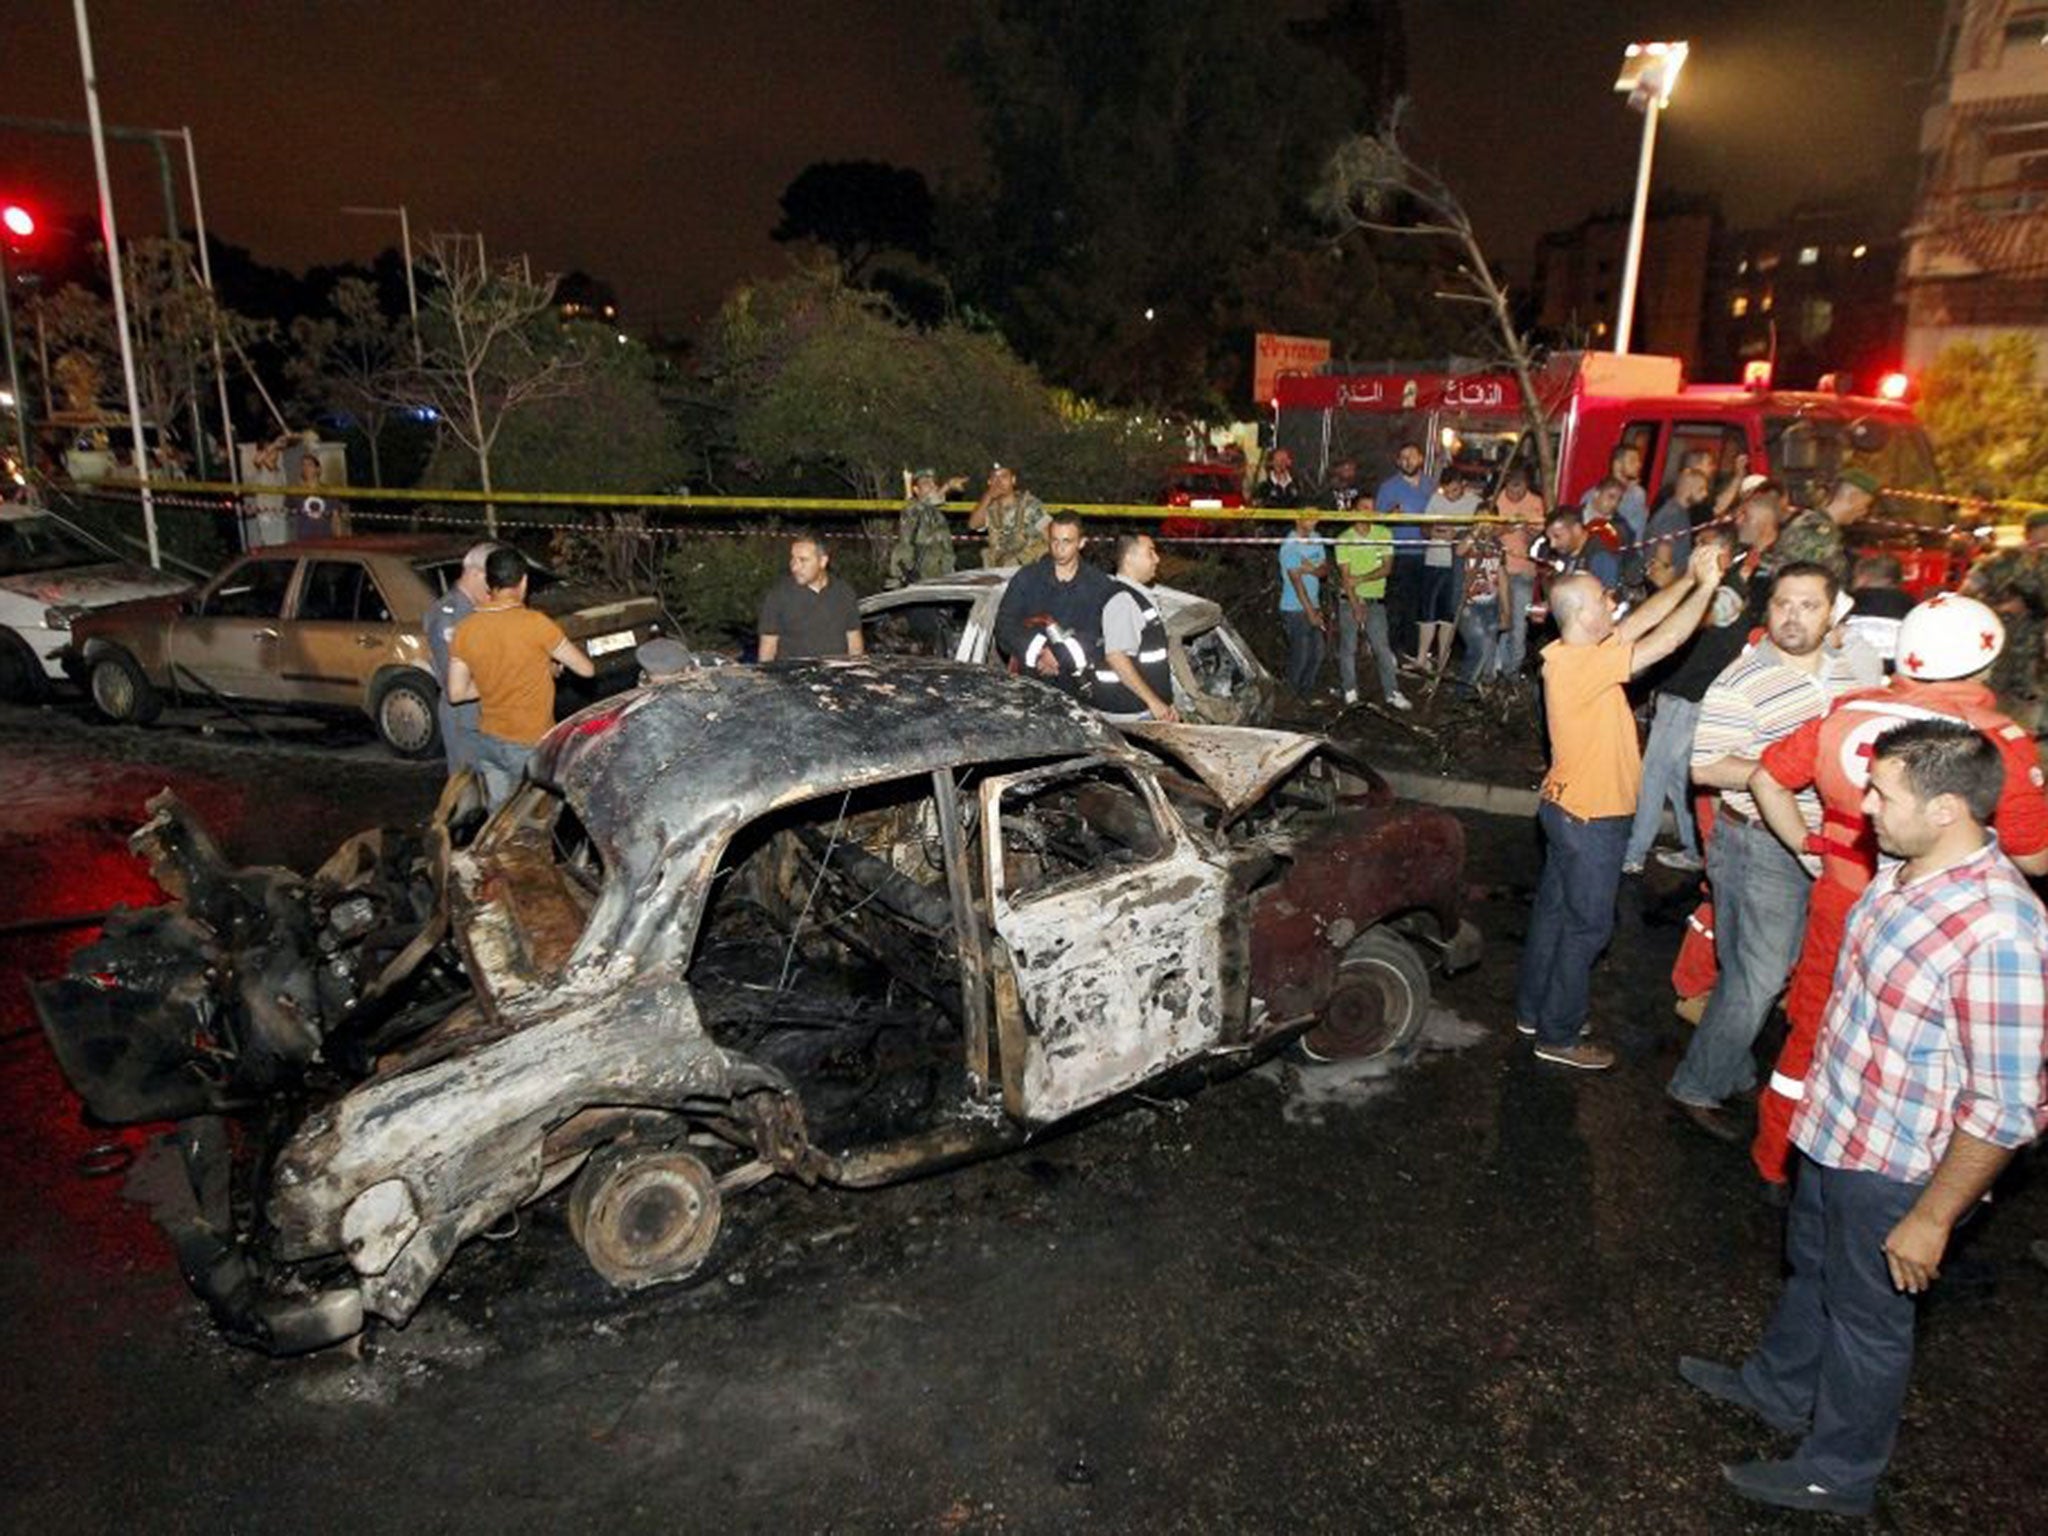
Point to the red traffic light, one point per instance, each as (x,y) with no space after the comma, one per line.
(19,222)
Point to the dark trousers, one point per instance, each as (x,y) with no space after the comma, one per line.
(1404,598)
(1572,920)
(1839,1349)
(1304,651)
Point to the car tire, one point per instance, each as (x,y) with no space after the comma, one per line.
(121,691)
(407,714)
(1377,1005)
(645,1215)
(21,676)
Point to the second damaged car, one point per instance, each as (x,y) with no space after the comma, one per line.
(826,922)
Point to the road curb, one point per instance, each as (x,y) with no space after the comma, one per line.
(1462,794)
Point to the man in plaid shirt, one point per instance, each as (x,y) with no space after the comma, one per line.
(1930,1072)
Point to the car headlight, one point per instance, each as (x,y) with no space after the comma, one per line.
(61,616)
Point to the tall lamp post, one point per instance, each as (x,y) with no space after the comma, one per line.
(412,295)
(1649,72)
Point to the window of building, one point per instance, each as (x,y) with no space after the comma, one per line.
(1768,303)
(1768,262)
(1816,319)
(2027,29)
(1742,267)
(1739,305)
(1809,255)
(1859,253)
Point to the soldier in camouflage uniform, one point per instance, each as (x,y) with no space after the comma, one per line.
(924,544)
(1015,521)
(1817,534)
(2014,584)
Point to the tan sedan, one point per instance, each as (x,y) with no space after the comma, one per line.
(325,625)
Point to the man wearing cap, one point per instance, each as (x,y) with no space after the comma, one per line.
(663,660)
(458,721)
(807,613)
(1947,647)
(924,544)
(1013,519)
(1816,535)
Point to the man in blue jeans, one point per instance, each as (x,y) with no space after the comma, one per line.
(1760,889)
(1927,1076)
(1304,561)
(1589,795)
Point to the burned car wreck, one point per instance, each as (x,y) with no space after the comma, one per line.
(830,922)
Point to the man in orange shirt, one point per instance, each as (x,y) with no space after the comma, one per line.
(505,656)
(1589,797)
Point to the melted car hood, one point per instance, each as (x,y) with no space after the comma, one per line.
(1236,763)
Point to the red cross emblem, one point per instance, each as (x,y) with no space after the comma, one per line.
(1937,600)
(1913,661)
(1987,640)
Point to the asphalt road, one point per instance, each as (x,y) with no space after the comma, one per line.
(1448,1299)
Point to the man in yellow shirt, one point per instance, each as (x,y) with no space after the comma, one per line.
(505,656)
(1589,797)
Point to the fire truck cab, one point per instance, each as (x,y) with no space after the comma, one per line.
(1594,402)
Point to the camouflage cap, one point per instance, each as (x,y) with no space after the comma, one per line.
(1862,479)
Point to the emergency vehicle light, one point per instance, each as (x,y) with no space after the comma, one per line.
(1756,375)
(1894,386)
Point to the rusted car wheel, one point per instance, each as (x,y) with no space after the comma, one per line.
(121,692)
(406,716)
(644,1214)
(1378,1003)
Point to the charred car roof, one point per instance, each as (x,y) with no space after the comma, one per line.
(663,776)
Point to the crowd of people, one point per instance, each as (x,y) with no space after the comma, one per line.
(1830,752)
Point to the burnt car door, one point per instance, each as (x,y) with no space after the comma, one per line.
(229,642)
(340,631)
(1109,918)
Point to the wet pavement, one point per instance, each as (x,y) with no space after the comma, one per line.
(1446,1298)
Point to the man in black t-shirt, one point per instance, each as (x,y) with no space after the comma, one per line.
(807,613)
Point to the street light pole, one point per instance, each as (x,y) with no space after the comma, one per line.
(220,372)
(112,237)
(1649,71)
(412,293)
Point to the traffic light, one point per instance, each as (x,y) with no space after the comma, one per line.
(17,220)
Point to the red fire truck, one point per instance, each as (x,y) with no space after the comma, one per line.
(1591,402)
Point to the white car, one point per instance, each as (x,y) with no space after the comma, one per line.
(50,572)
(1216,678)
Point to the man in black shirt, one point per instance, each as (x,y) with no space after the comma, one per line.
(1050,619)
(807,613)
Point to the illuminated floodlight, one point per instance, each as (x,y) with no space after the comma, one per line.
(1649,73)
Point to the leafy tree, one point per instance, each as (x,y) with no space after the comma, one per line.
(813,376)
(1984,410)
(1371,183)
(857,209)
(172,320)
(490,348)
(1146,158)
(356,363)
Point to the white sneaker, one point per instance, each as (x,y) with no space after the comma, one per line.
(1350,695)
(1399,700)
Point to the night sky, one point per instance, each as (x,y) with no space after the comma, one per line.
(648,142)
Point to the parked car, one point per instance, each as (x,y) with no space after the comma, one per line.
(1202,485)
(1217,679)
(51,575)
(832,922)
(326,625)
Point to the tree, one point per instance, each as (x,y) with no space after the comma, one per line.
(1371,183)
(356,364)
(172,321)
(857,209)
(1145,157)
(810,375)
(1985,414)
(487,348)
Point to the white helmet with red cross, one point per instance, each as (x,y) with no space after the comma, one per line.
(1947,637)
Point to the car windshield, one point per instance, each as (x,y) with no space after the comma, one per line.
(1808,452)
(32,544)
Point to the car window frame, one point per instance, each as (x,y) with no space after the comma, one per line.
(287,598)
